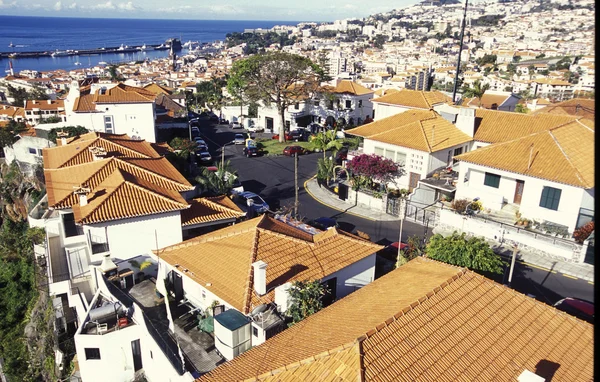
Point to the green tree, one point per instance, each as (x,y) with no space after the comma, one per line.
(275,78)
(219,182)
(325,170)
(487,59)
(72,131)
(476,91)
(306,299)
(415,247)
(21,94)
(326,140)
(8,133)
(113,72)
(470,252)
(520,108)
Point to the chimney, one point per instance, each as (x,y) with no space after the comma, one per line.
(82,191)
(33,102)
(528,376)
(98,152)
(465,121)
(260,277)
(107,264)
(49,102)
(63,137)
(282,297)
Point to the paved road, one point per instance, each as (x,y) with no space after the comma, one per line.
(273,178)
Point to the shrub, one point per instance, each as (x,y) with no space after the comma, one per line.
(583,232)
(460,205)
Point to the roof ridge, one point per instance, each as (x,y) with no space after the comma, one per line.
(148,189)
(578,121)
(250,279)
(284,235)
(576,171)
(115,173)
(126,160)
(412,306)
(424,135)
(422,93)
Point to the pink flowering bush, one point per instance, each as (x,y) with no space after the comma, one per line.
(370,168)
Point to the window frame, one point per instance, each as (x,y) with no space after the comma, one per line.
(554,200)
(491,175)
(32,150)
(109,125)
(92,354)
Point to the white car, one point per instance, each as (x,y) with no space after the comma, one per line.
(236,125)
(255,129)
(239,139)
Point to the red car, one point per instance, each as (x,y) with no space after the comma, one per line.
(288,137)
(291,150)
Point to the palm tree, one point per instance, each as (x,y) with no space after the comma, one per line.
(326,140)
(325,170)
(477,91)
(219,182)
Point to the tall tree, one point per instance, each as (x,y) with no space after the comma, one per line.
(219,182)
(476,91)
(326,140)
(8,133)
(306,297)
(277,78)
(471,252)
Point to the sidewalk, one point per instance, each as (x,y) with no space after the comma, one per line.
(321,195)
(571,270)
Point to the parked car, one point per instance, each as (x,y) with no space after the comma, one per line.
(323,223)
(213,118)
(223,121)
(577,307)
(201,144)
(239,139)
(236,125)
(204,156)
(288,137)
(292,150)
(255,129)
(195,132)
(300,134)
(252,200)
(251,151)
(341,155)
(390,252)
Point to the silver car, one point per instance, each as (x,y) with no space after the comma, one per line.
(239,139)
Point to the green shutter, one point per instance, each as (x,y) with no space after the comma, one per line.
(491,180)
(550,198)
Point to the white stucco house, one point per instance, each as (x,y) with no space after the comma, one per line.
(112,108)
(347,100)
(27,151)
(38,110)
(248,267)
(548,175)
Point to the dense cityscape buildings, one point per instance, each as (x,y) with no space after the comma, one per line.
(169,230)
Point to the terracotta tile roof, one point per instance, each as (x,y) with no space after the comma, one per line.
(443,324)
(158,89)
(487,100)
(560,155)
(498,126)
(382,92)
(77,152)
(208,210)
(12,112)
(60,182)
(576,107)
(224,258)
(350,87)
(418,99)
(84,103)
(162,148)
(416,129)
(44,105)
(124,94)
(123,195)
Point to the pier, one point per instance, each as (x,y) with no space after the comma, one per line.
(91,52)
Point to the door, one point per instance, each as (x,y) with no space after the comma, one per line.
(519,191)
(269,123)
(413,181)
(137,355)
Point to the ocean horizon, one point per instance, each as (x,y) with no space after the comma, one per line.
(29,33)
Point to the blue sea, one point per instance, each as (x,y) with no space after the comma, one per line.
(52,33)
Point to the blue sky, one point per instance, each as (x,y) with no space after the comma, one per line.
(297,10)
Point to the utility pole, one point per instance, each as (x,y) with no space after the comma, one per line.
(223,157)
(512,264)
(402,214)
(462,35)
(296,184)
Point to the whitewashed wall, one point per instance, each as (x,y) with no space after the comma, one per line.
(129,238)
(20,150)
(571,198)
(383,110)
(354,276)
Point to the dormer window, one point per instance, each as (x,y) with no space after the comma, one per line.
(103,90)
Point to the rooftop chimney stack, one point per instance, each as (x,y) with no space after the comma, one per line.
(49,102)
(260,277)
(82,191)
(63,137)
(465,121)
(107,264)
(98,152)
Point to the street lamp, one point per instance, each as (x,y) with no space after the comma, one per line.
(403,203)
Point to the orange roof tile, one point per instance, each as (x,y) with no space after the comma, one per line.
(350,87)
(45,104)
(123,195)
(576,107)
(12,112)
(560,155)
(158,89)
(209,210)
(418,99)
(487,101)
(124,94)
(498,126)
(224,258)
(416,129)
(443,324)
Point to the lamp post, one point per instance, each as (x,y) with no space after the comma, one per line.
(512,264)
(403,203)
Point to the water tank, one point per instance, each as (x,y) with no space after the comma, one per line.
(106,312)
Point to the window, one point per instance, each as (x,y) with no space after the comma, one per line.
(254,332)
(491,180)
(92,353)
(348,104)
(297,106)
(378,151)
(203,294)
(108,124)
(360,103)
(400,158)
(389,154)
(32,150)
(317,102)
(550,198)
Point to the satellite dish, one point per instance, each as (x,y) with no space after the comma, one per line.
(259,309)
